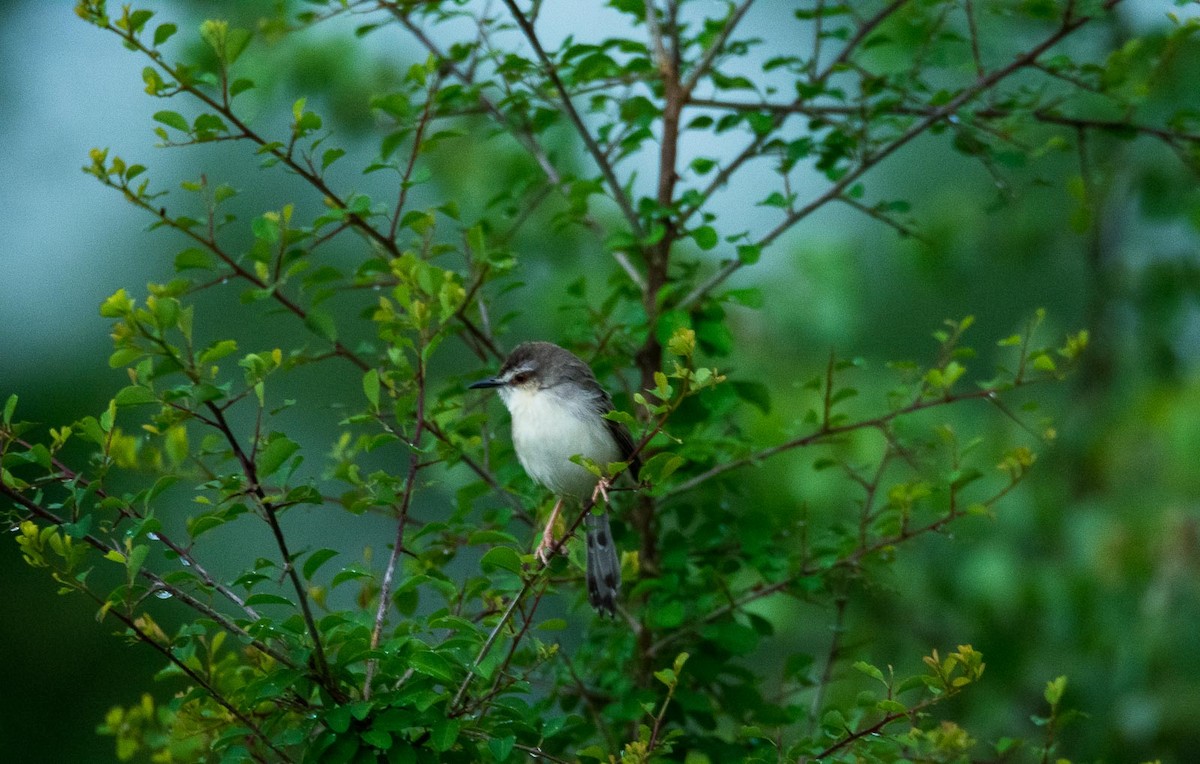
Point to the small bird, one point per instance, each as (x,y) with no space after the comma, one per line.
(557,409)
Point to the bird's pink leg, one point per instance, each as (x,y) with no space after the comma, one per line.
(601,489)
(548,546)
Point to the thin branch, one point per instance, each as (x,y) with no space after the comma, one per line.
(981,85)
(714,49)
(824,433)
(551,73)
(522,133)
(969,8)
(270,514)
(192,674)
(410,482)
(418,136)
(157,583)
(67,475)
(860,34)
(832,656)
(876,214)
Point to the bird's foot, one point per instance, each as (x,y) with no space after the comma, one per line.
(547,547)
(601,489)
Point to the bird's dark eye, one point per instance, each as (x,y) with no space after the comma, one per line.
(521,378)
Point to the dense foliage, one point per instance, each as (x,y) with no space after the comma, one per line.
(447,639)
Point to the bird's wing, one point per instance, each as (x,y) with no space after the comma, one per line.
(620,433)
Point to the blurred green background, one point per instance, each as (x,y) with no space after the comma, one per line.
(1091,569)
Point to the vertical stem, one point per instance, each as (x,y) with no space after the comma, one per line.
(414,466)
(270,514)
(831,659)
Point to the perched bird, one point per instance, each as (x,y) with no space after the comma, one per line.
(557,409)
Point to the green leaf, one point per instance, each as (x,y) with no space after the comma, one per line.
(705,237)
(217,350)
(330,156)
(172,119)
(265,598)
(433,665)
(370,385)
(239,86)
(277,451)
(503,557)
(316,560)
(377,739)
(1055,689)
(194,257)
(443,734)
(869,670)
(667,616)
(660,466)
(117,305)
(748,254)
(163,33)
(755,393)
(10,407)
(502,747)
(321,324)
(134,395)
(348,574)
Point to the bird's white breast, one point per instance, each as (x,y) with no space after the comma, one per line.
(547,431)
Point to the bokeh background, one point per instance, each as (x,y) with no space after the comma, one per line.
(1091,569)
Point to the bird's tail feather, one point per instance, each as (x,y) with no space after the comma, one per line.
(603,565)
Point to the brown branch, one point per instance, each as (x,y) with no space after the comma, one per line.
(851,560)
(523,134)
(823,434)
(414,467)
(157,582)
(859,35)
(551,73)
(832,655)
(418,136)
(710,55)
(981,85)
(270,514)
(192,674)
(1045,116)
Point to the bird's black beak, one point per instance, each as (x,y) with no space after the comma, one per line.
(493,382)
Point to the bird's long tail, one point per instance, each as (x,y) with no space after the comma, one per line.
(603,565)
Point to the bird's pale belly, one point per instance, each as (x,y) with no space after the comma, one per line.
(547,433)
